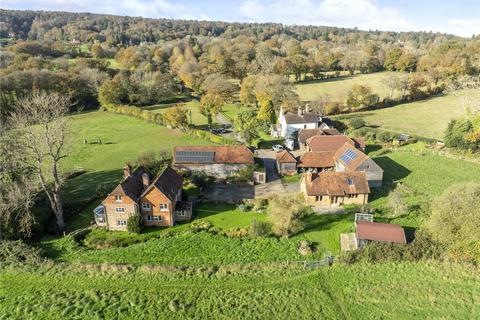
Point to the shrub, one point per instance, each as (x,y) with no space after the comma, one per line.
(356,123)
(201,225)
(17,251)
(285,213)
(259,228)
(236,233)
(384,136)
(135,224)
(306,247)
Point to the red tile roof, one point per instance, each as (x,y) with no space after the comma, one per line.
(354,163)
(380,232)
(223,154)
(331,183)
(285,157)
(317,160)
(328,143)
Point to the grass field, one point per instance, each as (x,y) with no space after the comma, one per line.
(383,291)
(123,139)
(339,87)
(428,118)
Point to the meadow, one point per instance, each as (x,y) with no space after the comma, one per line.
(338,87)
(276,291)
(123,139)
(427,118)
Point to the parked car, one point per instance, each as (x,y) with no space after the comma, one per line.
(278,148)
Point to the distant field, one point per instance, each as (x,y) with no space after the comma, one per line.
(339,87)
(428,118)
(380,291)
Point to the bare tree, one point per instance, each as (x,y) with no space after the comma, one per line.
(42,124)
(392,83)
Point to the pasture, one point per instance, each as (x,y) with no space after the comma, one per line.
(123,139)
(337,88)
(275,291)
(427,118)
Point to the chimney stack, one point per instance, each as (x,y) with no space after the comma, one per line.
(308,177)
(127,170)
(307,108)
(300,111)
(145,180)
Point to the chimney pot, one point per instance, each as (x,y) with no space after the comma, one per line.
(127,170)
(145,180)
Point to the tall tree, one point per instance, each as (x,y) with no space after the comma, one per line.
(41,123)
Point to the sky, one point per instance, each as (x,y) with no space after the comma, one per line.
(460,17)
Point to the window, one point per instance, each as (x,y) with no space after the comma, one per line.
(118,198)
(181,213)
(163,206)
(146,206)
(121,222)
(120,210)
(154,218)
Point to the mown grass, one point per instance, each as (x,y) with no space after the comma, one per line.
(382,291)
(122,138)
(338,87)
(427,118)
(193,112)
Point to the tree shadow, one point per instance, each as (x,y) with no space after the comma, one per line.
(86,185)
(392,172)
(372,148)
(324,221)
(334,79)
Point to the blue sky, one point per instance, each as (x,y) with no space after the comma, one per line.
(460,17)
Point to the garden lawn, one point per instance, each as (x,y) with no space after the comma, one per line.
(427,118)
(337,88)
(193,111)
(123,139)
(380,291)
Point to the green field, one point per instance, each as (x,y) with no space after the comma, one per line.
(382,291)
(123,139)
(338,87)
(427,118)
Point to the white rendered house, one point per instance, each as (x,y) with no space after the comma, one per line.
(291,122)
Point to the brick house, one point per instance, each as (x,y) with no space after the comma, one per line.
(217,161)
(348,158)
(316,161)
(335,188)
(305,134)
(158,201)
(286,163)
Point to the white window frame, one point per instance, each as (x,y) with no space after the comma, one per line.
(118,198)
(120,210)
(181,213)
(121,223)
(146,206)
(163,206)
(153,218)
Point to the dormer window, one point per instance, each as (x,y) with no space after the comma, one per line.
(350,182)
(118,198)
(146,206)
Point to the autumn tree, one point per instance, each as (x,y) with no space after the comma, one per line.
(176,117)
(391,58)
(267,111)
(41,123)
(360,96)
(285,214)
(210,105)
(247,125)
(407,62)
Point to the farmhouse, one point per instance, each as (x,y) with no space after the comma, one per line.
(291,122)
(158,201)
(286,163)
(335,188)
(348,158)
(217,161)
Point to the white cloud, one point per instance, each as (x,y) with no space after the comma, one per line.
(464,27)
(365,14)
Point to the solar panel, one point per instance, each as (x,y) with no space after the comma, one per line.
(194,156)
(348,156)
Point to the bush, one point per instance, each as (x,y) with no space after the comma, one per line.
(285,214)
(135,224)
(259,228)
(356,123)
(236,233)
(306,247)
(19,252)
(384,136)
(201,225)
